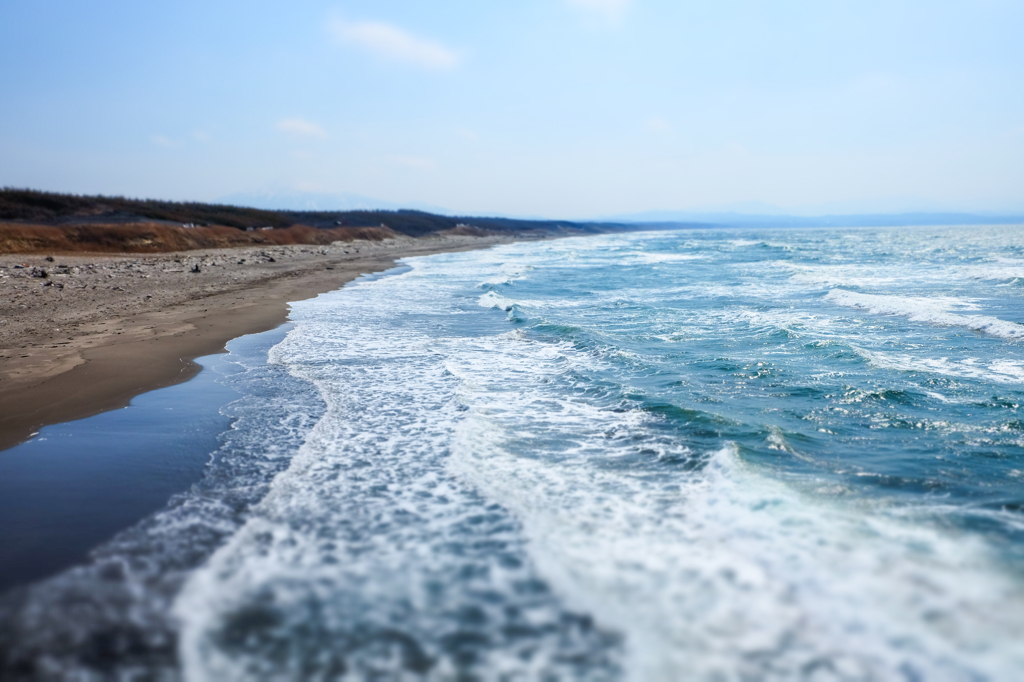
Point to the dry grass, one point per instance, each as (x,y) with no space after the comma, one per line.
(159,238)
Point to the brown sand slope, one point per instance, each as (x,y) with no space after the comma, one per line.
(161,238)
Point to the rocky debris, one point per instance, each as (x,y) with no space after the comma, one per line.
(85,288)
(82,288)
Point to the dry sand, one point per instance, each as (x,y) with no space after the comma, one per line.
(97,330)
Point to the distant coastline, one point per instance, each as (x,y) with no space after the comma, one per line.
(664,219)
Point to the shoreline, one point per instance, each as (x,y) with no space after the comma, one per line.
(96,362)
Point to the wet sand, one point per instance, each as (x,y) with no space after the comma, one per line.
(97,330)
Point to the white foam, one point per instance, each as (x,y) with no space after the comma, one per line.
(998,371)
(732,576)
(724,574)
(928,310)
(509,273)
(851,275)
(1000,270)
(493,300)
(366,548)
(910,273)
(655,258)
(719,573)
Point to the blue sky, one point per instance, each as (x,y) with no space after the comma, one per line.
(561,108)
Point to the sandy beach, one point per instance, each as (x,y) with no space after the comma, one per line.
(81,334)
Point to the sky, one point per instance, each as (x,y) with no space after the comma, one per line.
(556,108)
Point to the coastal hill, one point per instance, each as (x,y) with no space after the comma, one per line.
(32,221)
(35,221)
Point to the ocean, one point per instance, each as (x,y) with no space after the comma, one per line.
(682,455)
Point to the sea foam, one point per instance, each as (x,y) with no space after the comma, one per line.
(927,310)
(654,469)
(723,573)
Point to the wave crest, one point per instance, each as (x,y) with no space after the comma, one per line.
(927,310)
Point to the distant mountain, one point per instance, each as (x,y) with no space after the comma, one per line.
(293,200)
(730,219)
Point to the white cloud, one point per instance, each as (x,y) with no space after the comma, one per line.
(298,126)
(609,9)
(162,141)
(394,43)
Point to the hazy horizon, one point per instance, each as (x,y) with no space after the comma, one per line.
(313,201)
(557,108)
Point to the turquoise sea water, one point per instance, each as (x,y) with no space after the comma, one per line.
(708,455)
